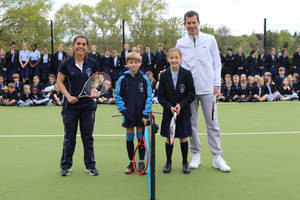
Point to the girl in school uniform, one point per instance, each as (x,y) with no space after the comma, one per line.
(34,61)
(46,60)
(24,56)
(176,92)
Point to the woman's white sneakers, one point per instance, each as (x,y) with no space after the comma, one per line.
(218,163)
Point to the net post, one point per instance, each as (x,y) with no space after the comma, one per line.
(154,129)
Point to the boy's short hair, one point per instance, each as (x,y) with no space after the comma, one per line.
(235,76)
(160,44)
(281,69)
(26,86)
(244,82)
(283,50)
(51,76)
(268,74)
(11,85)
(15,75)
(229,49)
(1,76)
(36,76)
(133,56)
(250,77)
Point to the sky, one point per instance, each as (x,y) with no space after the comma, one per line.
(240,16)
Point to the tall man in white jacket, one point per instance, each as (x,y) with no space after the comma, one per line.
(201,56)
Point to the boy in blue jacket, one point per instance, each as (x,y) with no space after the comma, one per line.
(133,96)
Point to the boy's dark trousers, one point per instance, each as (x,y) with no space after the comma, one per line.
(86,118)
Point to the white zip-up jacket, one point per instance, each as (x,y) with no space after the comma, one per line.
(201,56)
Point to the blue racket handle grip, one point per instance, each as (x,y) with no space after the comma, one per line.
(146,136)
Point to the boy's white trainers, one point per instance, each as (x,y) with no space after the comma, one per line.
(194,164)
(220,163)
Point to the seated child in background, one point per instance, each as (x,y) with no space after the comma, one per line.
(149,74)
(278,79)
(3,94)
(52,80)
(56,97)
(11,97)
(227,94)
(2,84)
(295,84)
(156,90)
(243,77)
(227,77)
(107,97)
(18,84)
(36,83)
(37,97)
(244,92)
(26,97)
(235,87)
(259,91)
(285,90)
(271,91)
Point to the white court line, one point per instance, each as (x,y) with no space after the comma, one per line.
(122,135)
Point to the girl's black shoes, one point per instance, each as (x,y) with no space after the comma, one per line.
(167,168)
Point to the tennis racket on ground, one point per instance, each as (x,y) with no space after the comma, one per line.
(172,128)
(214,108)
(96,86)
(142,143)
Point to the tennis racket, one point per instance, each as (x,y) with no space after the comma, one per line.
(96,86)
(172,128)
(142,143)
(214,108)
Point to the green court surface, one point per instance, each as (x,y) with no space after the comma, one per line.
(261,142)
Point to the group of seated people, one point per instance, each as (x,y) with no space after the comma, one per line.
(260,88)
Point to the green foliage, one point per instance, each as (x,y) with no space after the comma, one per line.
(24,21)
(27,21)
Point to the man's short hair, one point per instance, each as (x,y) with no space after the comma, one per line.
(16,75)
(133,56)
(191,13)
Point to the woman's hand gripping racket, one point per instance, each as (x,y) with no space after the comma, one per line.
(141,145)
(97,85)
(172,128)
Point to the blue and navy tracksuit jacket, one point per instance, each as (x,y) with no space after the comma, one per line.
(133,96)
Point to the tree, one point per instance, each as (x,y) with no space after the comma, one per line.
(144,25)
(284,37)
(222,35)
(24,21)
(71,21)
(169,31)
(108,20)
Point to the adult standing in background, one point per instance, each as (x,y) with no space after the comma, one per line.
(58,58)
(95,55)
(296,61)
(11,61)
(148,60)
(201,56)
(124,53)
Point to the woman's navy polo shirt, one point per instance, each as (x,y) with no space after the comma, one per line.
(75,78)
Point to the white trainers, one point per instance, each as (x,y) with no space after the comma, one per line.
(220,163)
(194,164)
